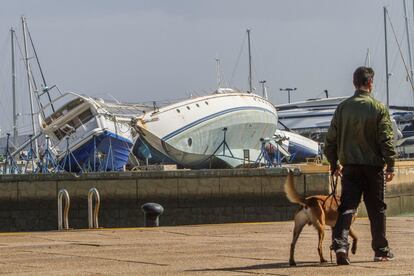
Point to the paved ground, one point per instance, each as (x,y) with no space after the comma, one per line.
(227,249)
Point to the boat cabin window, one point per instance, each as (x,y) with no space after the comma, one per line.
(73,124)
(64,110)
(85,116)
(178,111)
(59,134)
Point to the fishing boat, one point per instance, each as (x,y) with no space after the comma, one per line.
(86,132)
(218,130)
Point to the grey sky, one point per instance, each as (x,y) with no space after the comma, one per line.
(140,51)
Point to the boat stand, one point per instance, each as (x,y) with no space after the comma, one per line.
(10,164)
(48,162)
(223,145)
(69,157)
(109,156)
(94,162)
(30,158)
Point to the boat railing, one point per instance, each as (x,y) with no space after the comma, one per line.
(184,103)
(62,96)
(52,105)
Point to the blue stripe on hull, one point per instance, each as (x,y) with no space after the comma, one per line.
(209,117)
(112,161)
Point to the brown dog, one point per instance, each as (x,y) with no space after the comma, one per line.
(318,210)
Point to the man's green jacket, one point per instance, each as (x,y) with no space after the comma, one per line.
(360,133)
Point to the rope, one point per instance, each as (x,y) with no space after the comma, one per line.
(238,59)
(401,54)
(333,184)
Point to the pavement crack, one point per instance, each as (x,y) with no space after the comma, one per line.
(189,235)
(260,273)
(177,233)
(247,258)
(98,258)
(87,244)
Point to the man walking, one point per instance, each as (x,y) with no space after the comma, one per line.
(360,137)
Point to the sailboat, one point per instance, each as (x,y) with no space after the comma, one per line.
(217,130)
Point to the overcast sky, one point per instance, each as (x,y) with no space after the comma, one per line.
(139,51)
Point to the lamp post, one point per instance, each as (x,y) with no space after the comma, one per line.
(263,88)
(288,90)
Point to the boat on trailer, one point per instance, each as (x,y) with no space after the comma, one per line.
(218,130)
(88,133)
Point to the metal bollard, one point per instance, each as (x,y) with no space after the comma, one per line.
(93,214)
(63,217)
(152,211)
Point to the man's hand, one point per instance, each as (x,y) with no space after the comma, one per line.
(337,171)
(388,176)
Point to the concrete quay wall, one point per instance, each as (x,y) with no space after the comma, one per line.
(29,202)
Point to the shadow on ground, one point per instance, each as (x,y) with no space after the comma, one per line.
(284,265)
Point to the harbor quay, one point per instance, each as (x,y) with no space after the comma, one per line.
(29,202)
(215,249)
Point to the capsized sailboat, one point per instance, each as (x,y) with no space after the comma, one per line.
(219,130)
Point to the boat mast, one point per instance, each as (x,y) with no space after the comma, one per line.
(407,30)
(26,58)
(218,72)
(15,133)
(387,75)
(250,63)
(45,87)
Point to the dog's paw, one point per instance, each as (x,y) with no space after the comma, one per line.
(292,263)
(323,261)
(354,249)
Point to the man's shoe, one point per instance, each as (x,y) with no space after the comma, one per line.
(342,257)
(383,256)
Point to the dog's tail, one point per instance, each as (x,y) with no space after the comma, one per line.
(291,192)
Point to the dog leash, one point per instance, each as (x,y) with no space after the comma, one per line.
(333,183)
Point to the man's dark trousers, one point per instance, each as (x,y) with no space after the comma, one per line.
(358,180)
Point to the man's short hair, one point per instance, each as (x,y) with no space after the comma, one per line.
(362,75)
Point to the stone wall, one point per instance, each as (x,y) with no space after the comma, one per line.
(399,194)
(29,202)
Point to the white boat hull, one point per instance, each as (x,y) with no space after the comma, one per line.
(211,128)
